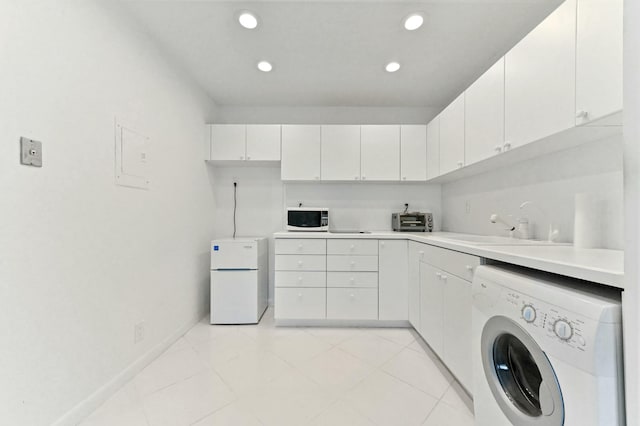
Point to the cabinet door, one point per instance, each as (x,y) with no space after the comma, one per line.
(300,303)
(380,159)
(415,255)
(393,280)
(413,153)
(431,307)
(433,148)
(598,60)
(452,136)
(540,79)
(228,141)
(300,152)
(484,115)
(340,158)
(457,328)
(263,142)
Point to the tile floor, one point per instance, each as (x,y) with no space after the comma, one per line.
(278,376)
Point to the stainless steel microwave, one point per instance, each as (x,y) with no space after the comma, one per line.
(307,219)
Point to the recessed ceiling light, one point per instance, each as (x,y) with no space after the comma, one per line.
(413,21)
(264,66)
(392,67)
(248,20)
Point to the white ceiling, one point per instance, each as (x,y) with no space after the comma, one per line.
(332,53)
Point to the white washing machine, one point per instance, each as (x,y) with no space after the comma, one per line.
(547,351)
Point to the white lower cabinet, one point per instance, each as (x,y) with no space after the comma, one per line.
(413,282)
(431,309)
(457,328)
(352,263)
(393,284)
(352,303)
(300,303)
(300,278)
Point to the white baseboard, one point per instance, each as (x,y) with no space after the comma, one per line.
(96,399)
(342,323)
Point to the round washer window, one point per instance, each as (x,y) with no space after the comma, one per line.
(518,374)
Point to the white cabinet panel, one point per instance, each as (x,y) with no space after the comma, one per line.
(484,115)
(352,263)
(263,142)
(598,59)
(393,284)
(340,157)
(300,246)
(462,265)
(300,303)
(380,152)
(433,148)
(352,303)
(416,254)
(306,262)
(352,279)
(431,307)
(457,329)
(228,141)
(300,152)
(413,153)
(540,79)
(300,279)
(352,246)
(452,136)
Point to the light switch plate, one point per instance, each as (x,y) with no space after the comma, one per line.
(30,152)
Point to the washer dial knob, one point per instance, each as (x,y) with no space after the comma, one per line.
(563,329)
(529,313)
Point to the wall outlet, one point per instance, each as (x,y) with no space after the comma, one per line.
(138,332)
(467,207)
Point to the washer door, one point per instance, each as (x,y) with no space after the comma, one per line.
(520,375)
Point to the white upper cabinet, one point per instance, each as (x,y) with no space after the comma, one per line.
(540,79)
(263,142)
(452,136)
(484,115)
(433,148)
(340,159)
(413,153)
(380,152)
(599,60)
(228,142)
(300,152)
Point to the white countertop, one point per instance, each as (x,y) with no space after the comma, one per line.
(601,266)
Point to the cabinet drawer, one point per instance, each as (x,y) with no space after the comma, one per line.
(352,279)
(461,264)
(352,303)
(352,263)
(304,262)
(300,279)
(301,246)
(300,303)
(355,246)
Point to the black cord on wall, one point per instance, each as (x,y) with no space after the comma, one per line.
(235,203)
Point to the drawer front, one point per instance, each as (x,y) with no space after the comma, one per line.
(301,246)
(352,303)
(352,279)
(352,263)
(354,246)
(301,279)
(460,264)
(300,303)
(308,262)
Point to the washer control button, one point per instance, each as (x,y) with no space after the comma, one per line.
(529,313)
(582,341)
(563,329)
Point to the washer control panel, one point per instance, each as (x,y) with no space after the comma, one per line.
(564,327)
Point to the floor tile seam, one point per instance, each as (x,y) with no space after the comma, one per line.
(210,413)
(414,387)
(465,412)
(145,396)
(451,405)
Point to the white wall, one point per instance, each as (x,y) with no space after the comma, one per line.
(551,182)
(631,295)
(326,115)
(81,259)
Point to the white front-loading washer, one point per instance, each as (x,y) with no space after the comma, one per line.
(547,351)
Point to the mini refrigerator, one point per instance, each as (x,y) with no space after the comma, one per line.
(239,280)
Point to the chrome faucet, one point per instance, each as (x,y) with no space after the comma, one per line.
(552,233)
